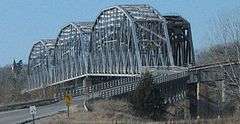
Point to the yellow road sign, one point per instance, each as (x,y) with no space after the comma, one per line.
(68,99)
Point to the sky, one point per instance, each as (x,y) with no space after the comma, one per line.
(24,22)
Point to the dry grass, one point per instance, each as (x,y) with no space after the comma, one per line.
(111,106)
(104,112)
(233,120)
(118,112)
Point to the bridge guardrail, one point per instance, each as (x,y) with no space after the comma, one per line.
(131,86)
(120,86)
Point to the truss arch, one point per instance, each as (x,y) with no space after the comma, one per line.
(71,50)
(40,62)
(127,37)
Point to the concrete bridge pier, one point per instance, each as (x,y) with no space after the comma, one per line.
(193,102)
(87,82)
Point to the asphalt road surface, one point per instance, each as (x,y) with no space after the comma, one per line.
(21,115)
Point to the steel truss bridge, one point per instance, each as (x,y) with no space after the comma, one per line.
(113,51)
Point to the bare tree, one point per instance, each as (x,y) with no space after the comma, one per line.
(227,32)
(225,47)
(12,84)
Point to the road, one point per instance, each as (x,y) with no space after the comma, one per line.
(21,115)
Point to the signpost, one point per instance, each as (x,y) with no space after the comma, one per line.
(68,101)
(33,112)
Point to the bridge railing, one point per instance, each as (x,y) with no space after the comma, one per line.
(132,85)
(124,85)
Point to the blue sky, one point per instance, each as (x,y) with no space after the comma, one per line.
(24,22)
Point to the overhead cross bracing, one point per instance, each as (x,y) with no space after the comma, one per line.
(122,41)
(127,37)
(180,35)
(72,51)
(40,63)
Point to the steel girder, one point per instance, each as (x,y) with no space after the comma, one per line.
(40,63)
(127,37)
(180,35)
(71,51)
(123,40)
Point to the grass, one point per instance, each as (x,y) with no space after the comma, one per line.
(118,112)
(104,112)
